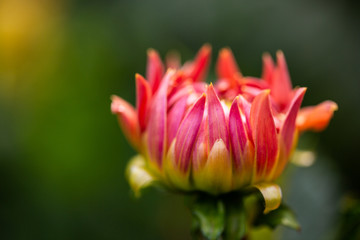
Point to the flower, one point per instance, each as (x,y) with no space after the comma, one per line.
(218,138)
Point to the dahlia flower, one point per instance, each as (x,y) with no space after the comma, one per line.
(215,138)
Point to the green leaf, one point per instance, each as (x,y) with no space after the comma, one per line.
(138,175)
(349,225)
(209,213)
(282,216)
(272,195)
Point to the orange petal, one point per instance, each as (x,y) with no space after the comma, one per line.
(226,66)
(264,133)
(317,117)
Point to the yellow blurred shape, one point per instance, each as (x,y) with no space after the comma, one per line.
(303,158)
(26,27)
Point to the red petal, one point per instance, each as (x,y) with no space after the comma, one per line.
(264,133)
(143,95)
(187,133)
(154,70)
(268,68)
(316,117)
(156,129)
(238,136)
(201,64)
(288,128)
(226,65)
(217,125)
(127,118)
(281,88)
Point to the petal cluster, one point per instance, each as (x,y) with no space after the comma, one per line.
(216,138)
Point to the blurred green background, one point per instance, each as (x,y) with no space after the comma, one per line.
(62,154)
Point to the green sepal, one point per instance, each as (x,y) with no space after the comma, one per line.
(209,216)
(138,175)
(282,216)
(271,194)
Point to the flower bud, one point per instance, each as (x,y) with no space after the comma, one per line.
(237,133)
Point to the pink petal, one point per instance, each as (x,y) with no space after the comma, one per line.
(245,107)
(287,132)
(200,152)
(175,116)
(143,95)
(156,129)
(127,118)
(187,133)
(264,133)
(154,70)
(217,125)
(238,136)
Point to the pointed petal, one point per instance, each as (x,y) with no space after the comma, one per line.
(201,148)
(143,95)
(288,128)
(187,133)
(217,124)
(283,69)
(245,107)
(316,117)
(241,147)
(238,136)
(175,116)
(156,129)
(226,66)
(201,64)
(272,195)
(127,118)
(281,88)
(154,69)
(216,176)
(288,134)
(173,60)
(264,134)
(138,175)
(268,68)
